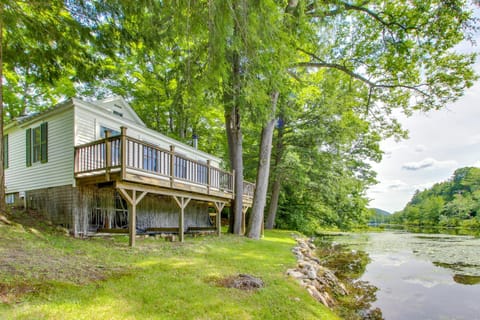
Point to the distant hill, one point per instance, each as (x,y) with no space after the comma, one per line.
(381,212)
(451,203)
(379,216)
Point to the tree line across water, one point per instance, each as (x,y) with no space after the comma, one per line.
(453,203)
(295,95)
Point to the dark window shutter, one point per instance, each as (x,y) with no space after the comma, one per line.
(5,151)
(44,142)
(28,143)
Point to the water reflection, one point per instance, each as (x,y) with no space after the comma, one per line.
(420,276)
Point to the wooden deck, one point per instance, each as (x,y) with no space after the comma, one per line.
(149,165)
(132,166)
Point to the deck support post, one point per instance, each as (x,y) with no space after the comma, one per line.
(219,207)
(244,213)
(182,203)
(132,200)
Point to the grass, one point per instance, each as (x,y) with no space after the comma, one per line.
(47,275)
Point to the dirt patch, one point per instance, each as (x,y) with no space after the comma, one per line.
(45,264)
(242,282)
(13,293)
(34,253)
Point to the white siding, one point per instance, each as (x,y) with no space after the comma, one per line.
(89,121)
(70,125)
(58,171)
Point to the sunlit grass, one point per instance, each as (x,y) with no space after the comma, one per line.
(161,280)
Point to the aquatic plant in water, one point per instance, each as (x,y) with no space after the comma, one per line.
(349,265)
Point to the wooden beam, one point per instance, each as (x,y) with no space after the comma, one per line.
(244,213)
(132,217)
(140,197)
(133,201)
(125,195)
(167,191)
(182,202)
(219,207)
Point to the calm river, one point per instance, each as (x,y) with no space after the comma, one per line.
(421,276)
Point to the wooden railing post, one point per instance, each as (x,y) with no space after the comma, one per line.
(172,165)
(123,141)
(208,176)
(108,155)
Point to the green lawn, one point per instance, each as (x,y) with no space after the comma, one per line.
(45,275)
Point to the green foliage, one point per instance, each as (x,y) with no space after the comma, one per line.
(341,67)
(452,203)
(46,49)
(325,169)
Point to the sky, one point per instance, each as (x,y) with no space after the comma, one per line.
(439,142)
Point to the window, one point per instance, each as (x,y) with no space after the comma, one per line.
(37,144)
(111,131)
(10,198)
(5,151)
(117,113)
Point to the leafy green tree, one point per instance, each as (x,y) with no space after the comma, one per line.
(44,49)
(447,203)
(395,51)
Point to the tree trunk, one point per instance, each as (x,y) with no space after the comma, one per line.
(2,171)
(260,197)
(235,146)
(235,143)
(276,187)
(272,209)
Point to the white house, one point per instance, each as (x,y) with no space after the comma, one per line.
(95,166)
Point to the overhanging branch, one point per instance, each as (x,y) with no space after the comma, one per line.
(319,63)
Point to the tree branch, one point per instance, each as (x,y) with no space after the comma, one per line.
(323,64)
(361,8)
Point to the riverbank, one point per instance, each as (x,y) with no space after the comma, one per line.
(330,275)
(45,274)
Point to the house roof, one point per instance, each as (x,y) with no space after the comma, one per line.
(36,115)
(113,106)
(118,105)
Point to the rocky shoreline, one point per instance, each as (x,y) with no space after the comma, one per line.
(320,282)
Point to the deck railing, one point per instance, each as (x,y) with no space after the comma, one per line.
(248,190)
(106,157)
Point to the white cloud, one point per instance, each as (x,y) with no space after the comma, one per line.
(420,148)
(428,163)
(425,185)
(388,186)
(473,140)
(476,164)
(397,185)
